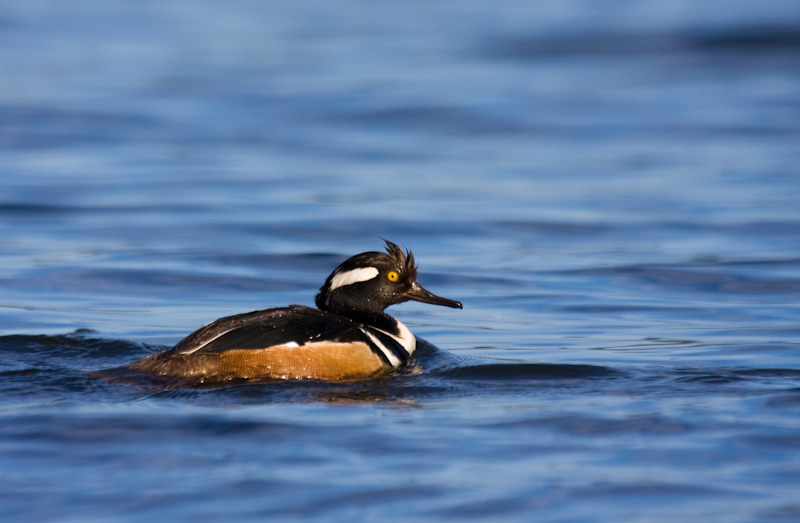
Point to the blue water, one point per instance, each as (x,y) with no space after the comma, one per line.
(611,189)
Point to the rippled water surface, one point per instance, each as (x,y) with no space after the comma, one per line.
(612,190)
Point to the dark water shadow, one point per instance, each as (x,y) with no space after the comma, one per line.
(83,367)
(42,363)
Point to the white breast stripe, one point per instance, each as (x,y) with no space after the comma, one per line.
(409,341)
(353,276)
(406,338)
(386,351)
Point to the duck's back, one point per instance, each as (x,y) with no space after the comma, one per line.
(294,342)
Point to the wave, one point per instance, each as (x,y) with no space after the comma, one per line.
(37,366)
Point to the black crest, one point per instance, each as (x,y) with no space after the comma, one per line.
(403,261)
(393,259)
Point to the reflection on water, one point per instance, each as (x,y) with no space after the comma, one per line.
(610,190)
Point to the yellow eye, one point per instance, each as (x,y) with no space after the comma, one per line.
(392,276)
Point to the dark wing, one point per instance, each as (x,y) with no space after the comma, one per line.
(267,328)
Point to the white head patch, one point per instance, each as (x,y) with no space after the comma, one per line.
(341,279)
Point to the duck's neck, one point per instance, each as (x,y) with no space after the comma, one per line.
(377,320)
(374,318)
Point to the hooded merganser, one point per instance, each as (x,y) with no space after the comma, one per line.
(347,337)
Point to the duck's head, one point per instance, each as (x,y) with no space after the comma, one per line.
(369,282)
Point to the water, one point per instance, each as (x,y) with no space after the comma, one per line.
(612,190)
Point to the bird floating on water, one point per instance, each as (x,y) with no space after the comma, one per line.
(347,337)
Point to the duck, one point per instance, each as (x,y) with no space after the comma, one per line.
(348,336)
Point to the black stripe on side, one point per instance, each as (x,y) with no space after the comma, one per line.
(391,344)
(377,351)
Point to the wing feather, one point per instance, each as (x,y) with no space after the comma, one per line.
(289,326)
